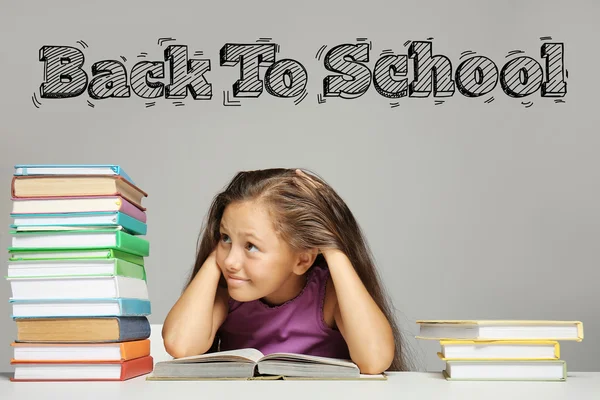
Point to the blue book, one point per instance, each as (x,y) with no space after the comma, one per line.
(82,329)
(63,221)
(55,308)
(71,169)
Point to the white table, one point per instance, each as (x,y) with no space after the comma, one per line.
(400,385)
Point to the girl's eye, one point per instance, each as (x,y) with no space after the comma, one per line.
(224,238)
(250,245)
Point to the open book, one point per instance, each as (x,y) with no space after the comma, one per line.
(251,364)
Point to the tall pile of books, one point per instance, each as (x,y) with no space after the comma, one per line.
(77,275)
(509,350)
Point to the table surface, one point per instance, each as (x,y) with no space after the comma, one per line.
(402,385)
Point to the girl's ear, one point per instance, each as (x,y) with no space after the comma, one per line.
(305,260)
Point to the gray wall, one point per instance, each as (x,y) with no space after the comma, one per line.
(473,209)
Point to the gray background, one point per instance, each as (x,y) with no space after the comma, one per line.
(473,210)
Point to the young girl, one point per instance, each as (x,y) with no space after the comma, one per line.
(282,266)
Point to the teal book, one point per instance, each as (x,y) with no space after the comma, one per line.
(81,239)
(70,169)
(60,308)
(77,220)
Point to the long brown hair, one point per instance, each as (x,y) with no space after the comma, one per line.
(307,213)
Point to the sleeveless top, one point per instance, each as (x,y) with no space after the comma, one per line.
(296,326)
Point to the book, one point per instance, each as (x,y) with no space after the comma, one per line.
(87,239)
(77,287)
(82,329)
(76,185)
(499,349)
(251,364)
(526,370)
(22,255)
(80,351)
(37,371)
(108,307)
(71,169)
(76,221)
(75,267)
(69,204)
(500,330)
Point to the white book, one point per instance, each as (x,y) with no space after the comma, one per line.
(78,288)
(55,308)
(65,205)
(74,351)
(500,330)
(36,255)
(65,240)
(79,371)
(539,370)
(66,220)
(499,349)
(73,267)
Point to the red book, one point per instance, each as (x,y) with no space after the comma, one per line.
(37,371)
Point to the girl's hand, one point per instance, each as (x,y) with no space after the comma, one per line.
(330,253)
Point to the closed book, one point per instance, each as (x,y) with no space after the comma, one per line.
(82,329)
(78,221)
(77,287)
(76,185)
(506,370)
(48,352)
(35,371)
(500,330)
(105,307)
(71,169)
(499,350)
(75,267)
(88,239)
(50,205)
(69,254)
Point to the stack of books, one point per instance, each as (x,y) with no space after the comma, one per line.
(512,350)
(77,275)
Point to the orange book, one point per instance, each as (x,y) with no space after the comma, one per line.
(34,371)
(71,352)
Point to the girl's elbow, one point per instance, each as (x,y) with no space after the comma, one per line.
(178,347)
(379,361)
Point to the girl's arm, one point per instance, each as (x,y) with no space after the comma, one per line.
(364,327)
(192,323)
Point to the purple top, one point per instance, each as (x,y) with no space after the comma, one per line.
(296,326)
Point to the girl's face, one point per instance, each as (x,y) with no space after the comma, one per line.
(254,260)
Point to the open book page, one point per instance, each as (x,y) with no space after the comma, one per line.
(308,359)
(241,355)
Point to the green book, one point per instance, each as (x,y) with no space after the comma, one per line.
(78,239)
(19,254)
(75,268)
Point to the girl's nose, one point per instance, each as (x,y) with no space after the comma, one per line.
(233,261)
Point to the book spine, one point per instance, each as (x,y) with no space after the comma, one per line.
(129,270)
(133,328)
(132,258)
(131,224)
(133,211)
(132,244)
(134,307)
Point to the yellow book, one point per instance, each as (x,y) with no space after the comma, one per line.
(500,330)
(471,350)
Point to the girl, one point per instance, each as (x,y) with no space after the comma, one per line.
(282,266)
